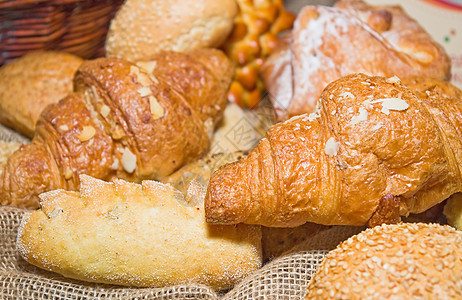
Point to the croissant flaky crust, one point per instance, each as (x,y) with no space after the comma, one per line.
(371,143)
(123,120)
(329,42)
(137,235)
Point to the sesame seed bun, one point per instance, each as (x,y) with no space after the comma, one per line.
(143,28)
(400,261)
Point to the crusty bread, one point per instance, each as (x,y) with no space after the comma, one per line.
(28,84)
(138,235)
(143,28)
(402,261)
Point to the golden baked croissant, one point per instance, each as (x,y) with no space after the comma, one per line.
(138,235)
(124,120)
(329,42)
(374,150)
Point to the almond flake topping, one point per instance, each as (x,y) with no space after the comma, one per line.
(359,118)
(144,91)
(105,110)
(128,160)
(331,147)
(144,79)
(147,66)
(156,109)
(394,79)
(64,127)
(87,133)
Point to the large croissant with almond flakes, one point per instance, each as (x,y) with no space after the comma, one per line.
(373,151)
(124,120)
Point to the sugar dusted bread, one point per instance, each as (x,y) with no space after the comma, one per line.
(137,235)
(331,42)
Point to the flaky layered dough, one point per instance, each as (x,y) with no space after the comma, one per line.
(330,42)
(372,148)
(137,235)
(123,120)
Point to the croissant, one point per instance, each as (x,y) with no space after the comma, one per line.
(329,42)
(123,120)
(373,151)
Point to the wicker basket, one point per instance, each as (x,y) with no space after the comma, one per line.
(75,26)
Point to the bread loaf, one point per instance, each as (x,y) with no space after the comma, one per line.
(137,235)
(143,28)
(30,83)
(402,261)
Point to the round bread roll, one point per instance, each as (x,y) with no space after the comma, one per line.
(142,28)
(400,261)
(32,82)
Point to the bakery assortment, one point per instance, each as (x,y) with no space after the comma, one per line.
(30,83)
(403,261)
(92,235)
(124,120)
(373,151)
(329,42)
(163,166)
(143,28)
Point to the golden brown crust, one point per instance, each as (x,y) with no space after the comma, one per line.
(144,28)
(137,235)
(330,42)
(30,83)
(370,136)
(402,261)
(126,121)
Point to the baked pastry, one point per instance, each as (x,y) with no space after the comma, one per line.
(30,83)
(124,120)
(330,42)
(254,37)
(453,211)
(137,235)
(143,28)
(403,261)
(373,151)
